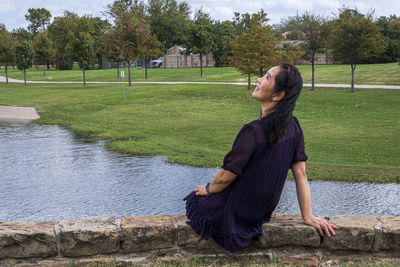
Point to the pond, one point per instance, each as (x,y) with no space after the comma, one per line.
(46,173)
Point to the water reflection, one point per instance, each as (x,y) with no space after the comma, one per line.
(47,174)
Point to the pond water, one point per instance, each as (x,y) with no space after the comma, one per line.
(46,173)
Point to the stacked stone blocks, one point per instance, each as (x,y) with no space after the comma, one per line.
(145,234)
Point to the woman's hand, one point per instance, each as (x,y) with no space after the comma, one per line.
(201,190)
(321,225)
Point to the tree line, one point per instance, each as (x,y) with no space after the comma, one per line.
(135,29)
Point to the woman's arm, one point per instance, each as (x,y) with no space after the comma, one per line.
(304,198)
(221,181)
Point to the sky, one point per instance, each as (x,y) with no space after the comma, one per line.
(12,12)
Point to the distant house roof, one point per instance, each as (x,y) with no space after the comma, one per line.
(175,50)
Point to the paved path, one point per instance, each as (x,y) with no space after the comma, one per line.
(358,86)
(10,114)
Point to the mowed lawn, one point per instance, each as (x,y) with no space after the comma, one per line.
(349,136)
(380,74)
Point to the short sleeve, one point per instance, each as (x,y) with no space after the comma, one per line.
(242,150)
(299,152)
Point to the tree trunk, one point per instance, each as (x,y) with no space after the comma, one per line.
(44,70)
(353,67)
(118,70)
(248,81)
(145,68)
(84,76)
(24,76)
(129,72)
(48,64)
(261,72)
(201,65)
(6,74)
(312,72)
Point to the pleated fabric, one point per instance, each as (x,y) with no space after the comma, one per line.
(235,215)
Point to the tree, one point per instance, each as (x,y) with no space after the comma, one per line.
(43,49)
(21,34)
(222,34)
(169,21)
(39,18)
(199,38)
(354,38)
(314,31)
(82,49)
(391,34)
(7,52)
(70,24)
(111,50)
(24,56)
(59,32)
(150,48)
(257,50)
(130,31)
(291,26)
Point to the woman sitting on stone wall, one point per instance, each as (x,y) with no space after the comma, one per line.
(244,193)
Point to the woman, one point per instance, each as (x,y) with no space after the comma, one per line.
(245,192)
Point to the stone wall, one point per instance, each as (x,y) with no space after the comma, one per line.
(187,61)
(284,235)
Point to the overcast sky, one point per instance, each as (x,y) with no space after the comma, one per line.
(12,11)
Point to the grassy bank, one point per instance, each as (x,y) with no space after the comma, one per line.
(349,137)
(384,74)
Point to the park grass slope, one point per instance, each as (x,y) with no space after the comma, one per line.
(348,136)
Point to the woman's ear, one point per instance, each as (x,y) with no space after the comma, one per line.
(278,96)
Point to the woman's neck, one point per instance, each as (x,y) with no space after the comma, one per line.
(266,108)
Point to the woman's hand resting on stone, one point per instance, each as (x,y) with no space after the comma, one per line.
(322,225)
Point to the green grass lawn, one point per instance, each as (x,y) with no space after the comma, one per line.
(382,74)
(349,136)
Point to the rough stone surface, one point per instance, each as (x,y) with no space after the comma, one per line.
(93,262)
(27,239)
(186,237)
(303,261)
(354,233)
(289,230)
(390,233)
(143,233)
(88,236)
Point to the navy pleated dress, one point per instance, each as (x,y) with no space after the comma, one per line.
(235,215)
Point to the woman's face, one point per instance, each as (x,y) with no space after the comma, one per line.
(265,89)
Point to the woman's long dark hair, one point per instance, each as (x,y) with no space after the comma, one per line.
(275,124)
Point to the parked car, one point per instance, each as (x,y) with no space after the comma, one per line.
(156,63)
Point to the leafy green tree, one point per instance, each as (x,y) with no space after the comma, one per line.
(222,34)
(150,48)
(199,37)
(43,49)
(354,38)
(71,25)
(111,50)
(314,31)
(82,49)
(39,18)
(7,49)
(391,34)
(256,51)
(21,34)
(60,31)
(130,32)
(291,26)
(24,56)
(169,21)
